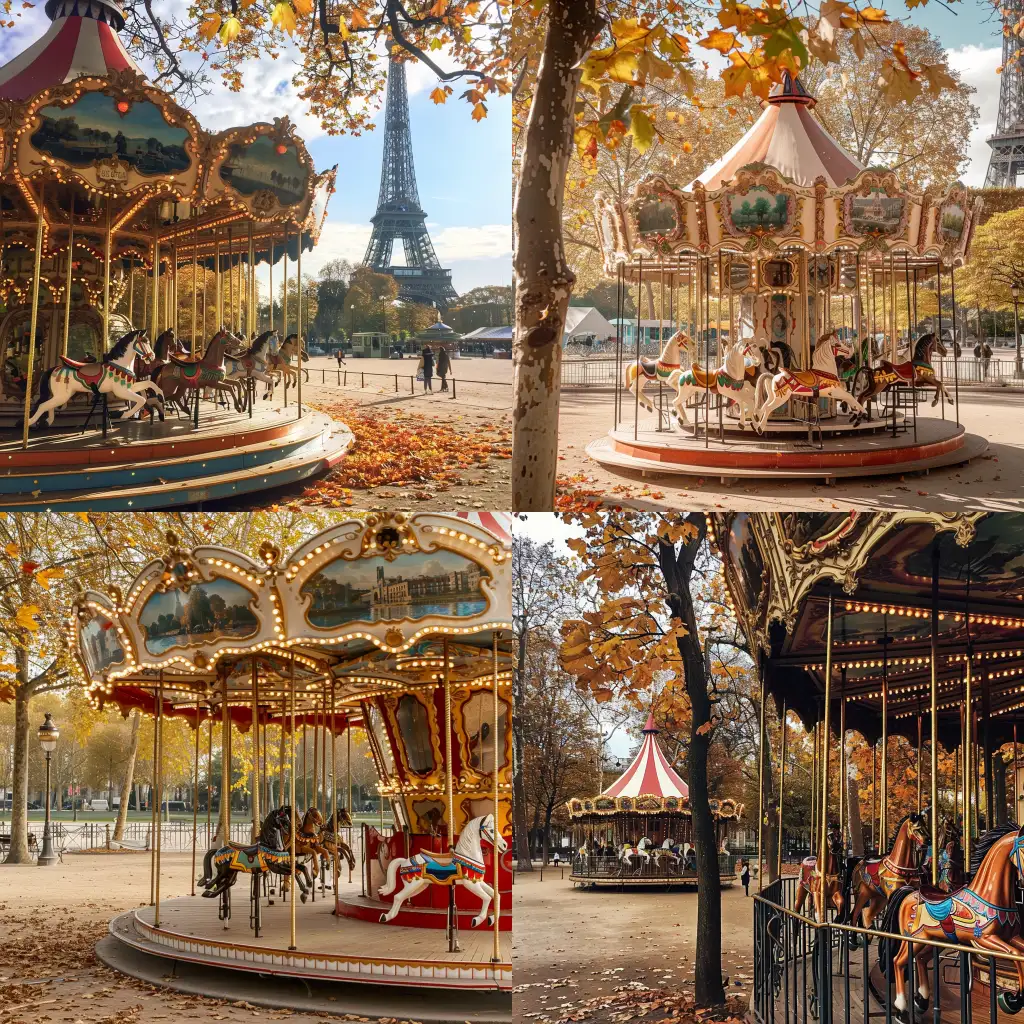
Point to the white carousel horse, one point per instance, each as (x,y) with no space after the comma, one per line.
(465,866)
(667,851)
(677,349)
(628,852)
(114,376)
(736,379)
(253,362)
(823,377)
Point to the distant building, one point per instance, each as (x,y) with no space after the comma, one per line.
(409,590)
(487,341)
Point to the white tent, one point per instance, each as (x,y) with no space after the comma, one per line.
(584,321)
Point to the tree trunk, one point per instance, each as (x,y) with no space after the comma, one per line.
(856,825)
(129,774)
(543,278)
(769,817)
(18,853)
(708,989)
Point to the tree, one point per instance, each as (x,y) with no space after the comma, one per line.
(657,637)
(331,290)
(574,55)
(996,262)
(923,139)
(369,295)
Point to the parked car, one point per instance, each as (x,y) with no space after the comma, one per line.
(98,806)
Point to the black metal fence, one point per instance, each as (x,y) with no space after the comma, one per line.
(654,865)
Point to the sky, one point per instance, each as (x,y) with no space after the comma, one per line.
(463,167)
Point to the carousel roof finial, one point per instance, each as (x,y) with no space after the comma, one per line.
(83,40)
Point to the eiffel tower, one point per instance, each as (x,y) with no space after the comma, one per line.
(1006,164)
(399,214)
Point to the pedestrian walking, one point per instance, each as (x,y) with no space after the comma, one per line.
(427,359)
(444,365)
(745,877)
(340,356)
(556,861)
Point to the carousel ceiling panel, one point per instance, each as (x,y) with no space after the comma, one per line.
(358,594)
(117,137)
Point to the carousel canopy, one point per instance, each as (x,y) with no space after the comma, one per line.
(788,137)
(650,771)
(82,40)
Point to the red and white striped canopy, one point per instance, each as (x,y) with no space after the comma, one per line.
(788,137)
(498,523)
(83,40)
(650,773)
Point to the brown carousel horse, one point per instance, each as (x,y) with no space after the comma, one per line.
(280,363)
(875,879)
(330,839)
(869,382)
(307,841)
(810,883)
(178,377)
(983,914)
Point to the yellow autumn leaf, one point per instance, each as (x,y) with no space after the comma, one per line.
(479,112)
(358,20)
(44,576)
(7,667)
(229,30)
(439,95)
(641,128)
(26,617)
(208,28)
(12,550)
(283,17)
(718,40)
(303,6)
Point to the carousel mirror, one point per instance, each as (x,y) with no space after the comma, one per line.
(414,729)
(657,217)
(478,723)
(265,165)
(100,645)
(205,612)
(777,274)
(738,275)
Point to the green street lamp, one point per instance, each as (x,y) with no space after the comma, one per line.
(48,735)
(1018,370)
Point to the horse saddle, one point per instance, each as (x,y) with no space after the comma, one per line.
(648,367)
(810,378)
(904,371)
(186,364)
(933,895)
(701,378)
(90,371)
(441,867)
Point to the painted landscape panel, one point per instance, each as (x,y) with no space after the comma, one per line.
(100,646)
(657,217)
(413,586)
(92,129)
(206,612)
(875,214)
(951,221)
(758,210)
(257,166)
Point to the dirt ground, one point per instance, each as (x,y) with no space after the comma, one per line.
(991,482)
(572,945)
(410,447)
(50,921)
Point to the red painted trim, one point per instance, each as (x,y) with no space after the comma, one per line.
(113,55)
(49,68)
(363,909)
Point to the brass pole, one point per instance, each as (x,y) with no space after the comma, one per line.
(934,697)
(292,901)
(255,750)
(106,282)
(334,783)
(209,778)
(131,279)
(67,295)
(284,307)
(225,764)
(883,796)
(194,344)
(814,789)
(218,298)
(1013,802)
(34,319)
(968,761)
(152,815)
(453,943)
(250,313)
(323,753)
(231,284)
(498,737)
(843,811)
(762,736)
(195,804)
(154,313)
(298,319)
(782,783)
(305,776)
(159,792)
(920,760)
(823,847)
(348,779)
(874,795)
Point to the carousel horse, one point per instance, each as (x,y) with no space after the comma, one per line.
(668,851)
(115,376)
(875,879)
(777,356)
(822,380)
(281,364)
(810,883)
(951,858)
(268,855)
(307,842)
(983,914)
(628,851)
(254,362)
(916,371)
(464,866)
(179,376)
(678,349)
(735,379)
(336,847)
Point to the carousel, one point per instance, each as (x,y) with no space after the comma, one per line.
(800,298)
(639,830)
(395,625)
(135,361)
(868,627)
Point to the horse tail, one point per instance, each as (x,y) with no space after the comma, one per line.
(851,866)
(887,948)
(207,867)
(393,868)
(45,391)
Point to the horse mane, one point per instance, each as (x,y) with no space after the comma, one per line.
(121,347)
(987,840)
(899,824)
(921,343)
(259,344)
(219,335)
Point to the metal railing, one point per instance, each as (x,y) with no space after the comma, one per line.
(345,378)
(969,370)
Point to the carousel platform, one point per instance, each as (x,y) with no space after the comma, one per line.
(330,948)
(845,453)
(141,465)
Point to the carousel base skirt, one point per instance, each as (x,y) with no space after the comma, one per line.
(630,881)
(140,466)
(937,443)
(363,908)
(329,948)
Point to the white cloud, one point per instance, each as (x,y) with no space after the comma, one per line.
(488,241)
(977,66)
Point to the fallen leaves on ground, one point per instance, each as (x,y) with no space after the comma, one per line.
(635,1001)
(403,449)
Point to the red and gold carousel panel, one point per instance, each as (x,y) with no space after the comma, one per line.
(397,627)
